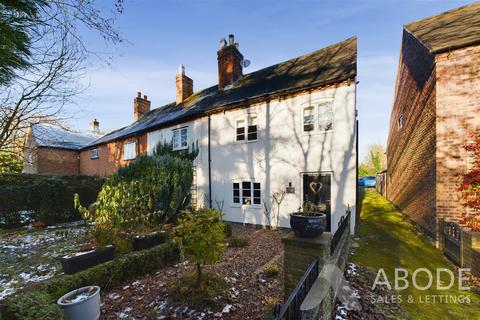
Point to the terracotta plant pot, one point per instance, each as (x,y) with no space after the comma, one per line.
(308,226)
(87,260)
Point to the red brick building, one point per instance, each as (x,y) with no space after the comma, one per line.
(52,149)
(435,113)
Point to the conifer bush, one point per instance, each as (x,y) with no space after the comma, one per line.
(140,197)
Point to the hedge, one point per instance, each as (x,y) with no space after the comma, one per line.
(44,198)
(39,302)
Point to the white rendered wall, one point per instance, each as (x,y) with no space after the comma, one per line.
(281,154)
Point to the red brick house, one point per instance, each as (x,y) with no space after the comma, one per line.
(52,149)
(435,113)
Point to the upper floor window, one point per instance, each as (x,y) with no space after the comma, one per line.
(246,193)
(94,153)
(246,128)
(325,116)
(400,121)
(318,116)
(309,119)
(130,150)
(179,139)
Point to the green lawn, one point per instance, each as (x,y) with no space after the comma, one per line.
(389,241)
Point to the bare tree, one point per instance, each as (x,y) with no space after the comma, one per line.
(272,216)
(58,59)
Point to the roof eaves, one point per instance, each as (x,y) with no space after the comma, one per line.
(229,106)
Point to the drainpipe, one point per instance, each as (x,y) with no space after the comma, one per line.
(209,167)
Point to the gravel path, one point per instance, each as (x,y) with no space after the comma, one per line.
(250,289)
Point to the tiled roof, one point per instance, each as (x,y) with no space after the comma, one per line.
(50,136)
(450,30)
(332,64)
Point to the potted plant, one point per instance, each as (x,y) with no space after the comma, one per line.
(81,304)
(308,222)
(86,259)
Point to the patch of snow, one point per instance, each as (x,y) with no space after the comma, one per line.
(227,308)
(113,296)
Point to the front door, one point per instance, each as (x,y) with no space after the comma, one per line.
(316,190)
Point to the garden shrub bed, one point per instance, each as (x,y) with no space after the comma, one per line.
(39,301)
(44,198)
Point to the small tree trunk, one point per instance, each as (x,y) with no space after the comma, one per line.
(199,274)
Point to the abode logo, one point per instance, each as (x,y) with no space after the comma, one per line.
(442,280)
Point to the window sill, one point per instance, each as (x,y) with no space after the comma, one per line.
(246,206)
(313,133)
(246,141)
(180,149)
(93,158)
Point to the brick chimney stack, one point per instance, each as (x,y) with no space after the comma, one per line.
(140,106)
(229,62)
(184,85)
(95,126)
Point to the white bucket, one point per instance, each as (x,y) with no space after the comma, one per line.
(87,308)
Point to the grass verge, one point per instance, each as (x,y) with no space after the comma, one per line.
(388,240)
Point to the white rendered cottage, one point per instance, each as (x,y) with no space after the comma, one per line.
(268,140)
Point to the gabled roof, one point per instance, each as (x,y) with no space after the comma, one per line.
(330,65)
(450,30)
(50,136)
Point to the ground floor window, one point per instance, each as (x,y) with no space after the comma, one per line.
(130,150)
(247,193)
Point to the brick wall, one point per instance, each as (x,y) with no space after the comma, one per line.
(458,109)
(57,161)
(111,156)
(411,149)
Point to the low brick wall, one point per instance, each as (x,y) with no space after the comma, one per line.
(299,254)
(469,247)
(471,251)
(320,300)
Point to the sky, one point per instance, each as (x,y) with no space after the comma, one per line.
(160,35)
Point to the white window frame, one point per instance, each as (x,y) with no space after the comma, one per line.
(178,134)
(130,150)
(247,120)
(241,197)
(94,153)
(317,109)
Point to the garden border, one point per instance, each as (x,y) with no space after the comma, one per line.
(38,301)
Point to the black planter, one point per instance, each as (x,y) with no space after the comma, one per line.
(308,226)
(75,264)
(145,242)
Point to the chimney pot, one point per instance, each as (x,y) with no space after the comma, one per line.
(181,69)
(140,106)
(223,43)
(184,85)
(95,126)
(229,63)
